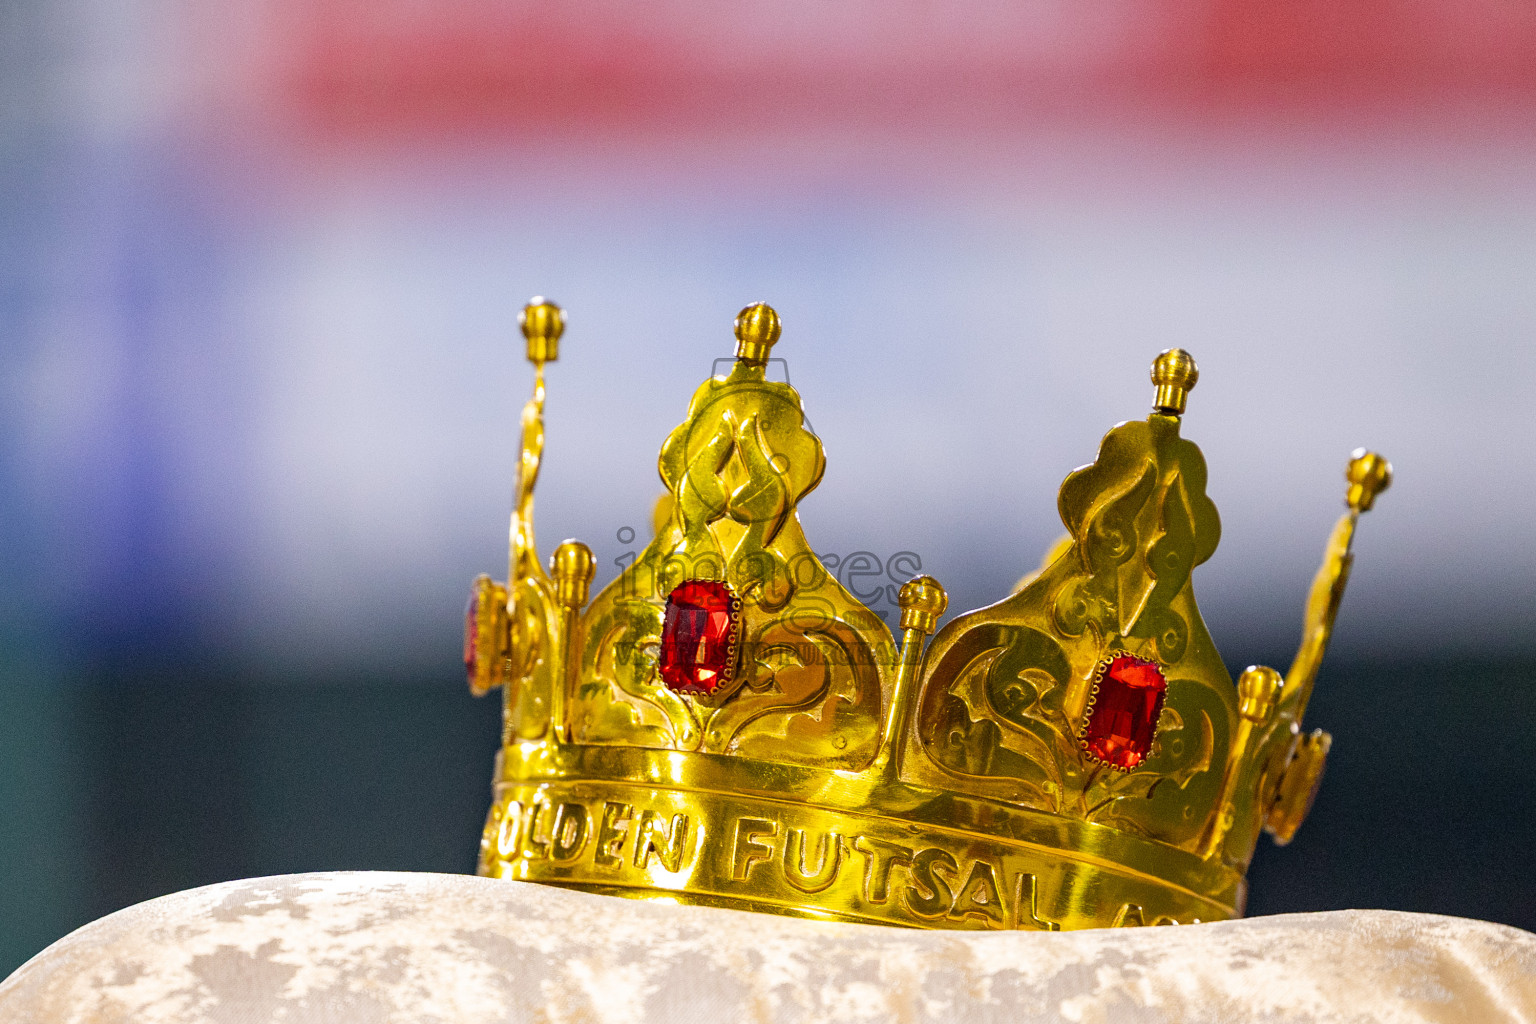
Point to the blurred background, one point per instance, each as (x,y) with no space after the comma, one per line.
(260,269)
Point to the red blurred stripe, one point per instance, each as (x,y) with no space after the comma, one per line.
(491,67)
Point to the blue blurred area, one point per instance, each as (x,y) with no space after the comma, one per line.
(275,438)
(259,409)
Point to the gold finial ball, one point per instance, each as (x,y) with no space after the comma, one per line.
(1368,474)
(1174,373)
(757,328)
(573,566)
(1258,688)
(922,602)
(542,322)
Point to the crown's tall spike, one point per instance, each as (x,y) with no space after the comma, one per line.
(489,640)
(757,329)
(1174,373)
(1368,475)
(542,323)
(922,601)
(572,566)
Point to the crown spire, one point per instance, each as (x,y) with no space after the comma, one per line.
(542,323)
(1174,373)
(505,625)
(1368,474)
(757,329)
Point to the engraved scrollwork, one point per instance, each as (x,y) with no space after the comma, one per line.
(1000,720)
(1143,496)
(762,502)
(623,697)
(805,688)
(1108,539)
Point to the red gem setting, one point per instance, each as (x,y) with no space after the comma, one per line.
(698,637)
(1123,708)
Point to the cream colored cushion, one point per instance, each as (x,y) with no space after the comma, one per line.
(372,948)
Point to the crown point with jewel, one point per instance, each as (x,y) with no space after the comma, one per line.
(542,322)
(757,329)
(1174,373)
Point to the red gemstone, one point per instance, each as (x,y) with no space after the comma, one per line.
(472,635)
(1126,704)
(698,637)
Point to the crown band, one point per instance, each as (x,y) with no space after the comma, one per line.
(699,828)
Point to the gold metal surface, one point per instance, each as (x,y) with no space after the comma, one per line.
(757,330)
(1258,688)
(1289,794)
(1297,787)
(835,776)
(542,323)
(1174,374)
(486,636)
(531,624)
(922,602)
(572,566)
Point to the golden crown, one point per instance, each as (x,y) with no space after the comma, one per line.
(725,724)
